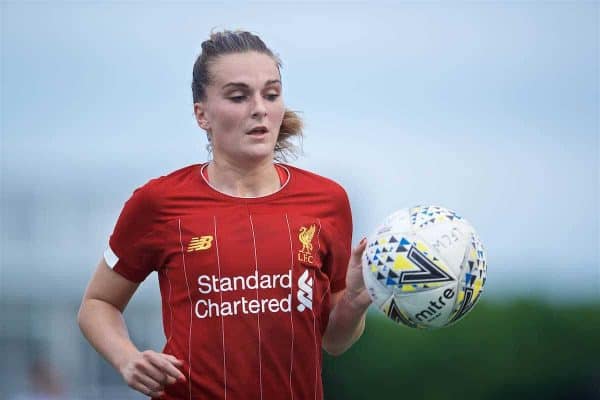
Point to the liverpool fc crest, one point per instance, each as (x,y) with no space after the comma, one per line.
(306,236)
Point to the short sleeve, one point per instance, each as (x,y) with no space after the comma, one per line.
(341,242)
(133,248)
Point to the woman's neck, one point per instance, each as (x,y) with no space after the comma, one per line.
(243,181)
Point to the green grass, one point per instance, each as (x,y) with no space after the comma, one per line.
(523,350)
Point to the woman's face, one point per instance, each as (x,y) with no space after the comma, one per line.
(244,93)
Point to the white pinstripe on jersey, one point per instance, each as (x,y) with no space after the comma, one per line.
(191,306)
(291,308)
(258,314)
(222,321)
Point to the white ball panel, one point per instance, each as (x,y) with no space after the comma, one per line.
(378,292)
(449,240)
(430,309)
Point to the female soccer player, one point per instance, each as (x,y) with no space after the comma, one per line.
(253,256)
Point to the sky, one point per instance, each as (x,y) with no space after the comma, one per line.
(490,109)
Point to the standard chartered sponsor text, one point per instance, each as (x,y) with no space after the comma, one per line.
(209,308)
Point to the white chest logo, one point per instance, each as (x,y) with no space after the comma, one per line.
(305,292)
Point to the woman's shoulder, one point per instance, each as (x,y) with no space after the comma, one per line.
(184,173)
(313,180)
(158,186)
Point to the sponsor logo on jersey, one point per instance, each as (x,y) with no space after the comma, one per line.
(200,243)
(305,291)
(247,301)
(306,236)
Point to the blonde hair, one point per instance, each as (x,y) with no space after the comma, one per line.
(229,42)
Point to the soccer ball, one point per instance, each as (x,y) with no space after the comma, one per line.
(424,267)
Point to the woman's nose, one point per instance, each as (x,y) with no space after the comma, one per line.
(259,107)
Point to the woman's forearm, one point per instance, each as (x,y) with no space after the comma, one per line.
(346,325)
(104,327)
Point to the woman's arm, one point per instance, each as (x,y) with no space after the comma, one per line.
(349,308)
(101,320)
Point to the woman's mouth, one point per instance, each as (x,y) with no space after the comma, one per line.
(257,131)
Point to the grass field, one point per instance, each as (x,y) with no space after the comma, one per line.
(522,350)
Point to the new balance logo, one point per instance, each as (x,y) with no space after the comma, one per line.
(200,243)
(305,292)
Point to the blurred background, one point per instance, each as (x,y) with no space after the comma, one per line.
(490,109)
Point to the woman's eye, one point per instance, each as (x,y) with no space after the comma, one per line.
(239,99)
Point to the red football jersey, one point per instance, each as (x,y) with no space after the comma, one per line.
(245,282)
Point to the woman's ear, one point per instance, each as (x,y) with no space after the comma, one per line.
(200,113)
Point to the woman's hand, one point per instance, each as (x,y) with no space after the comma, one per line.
(356,292)
(149,372)
(349,307)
